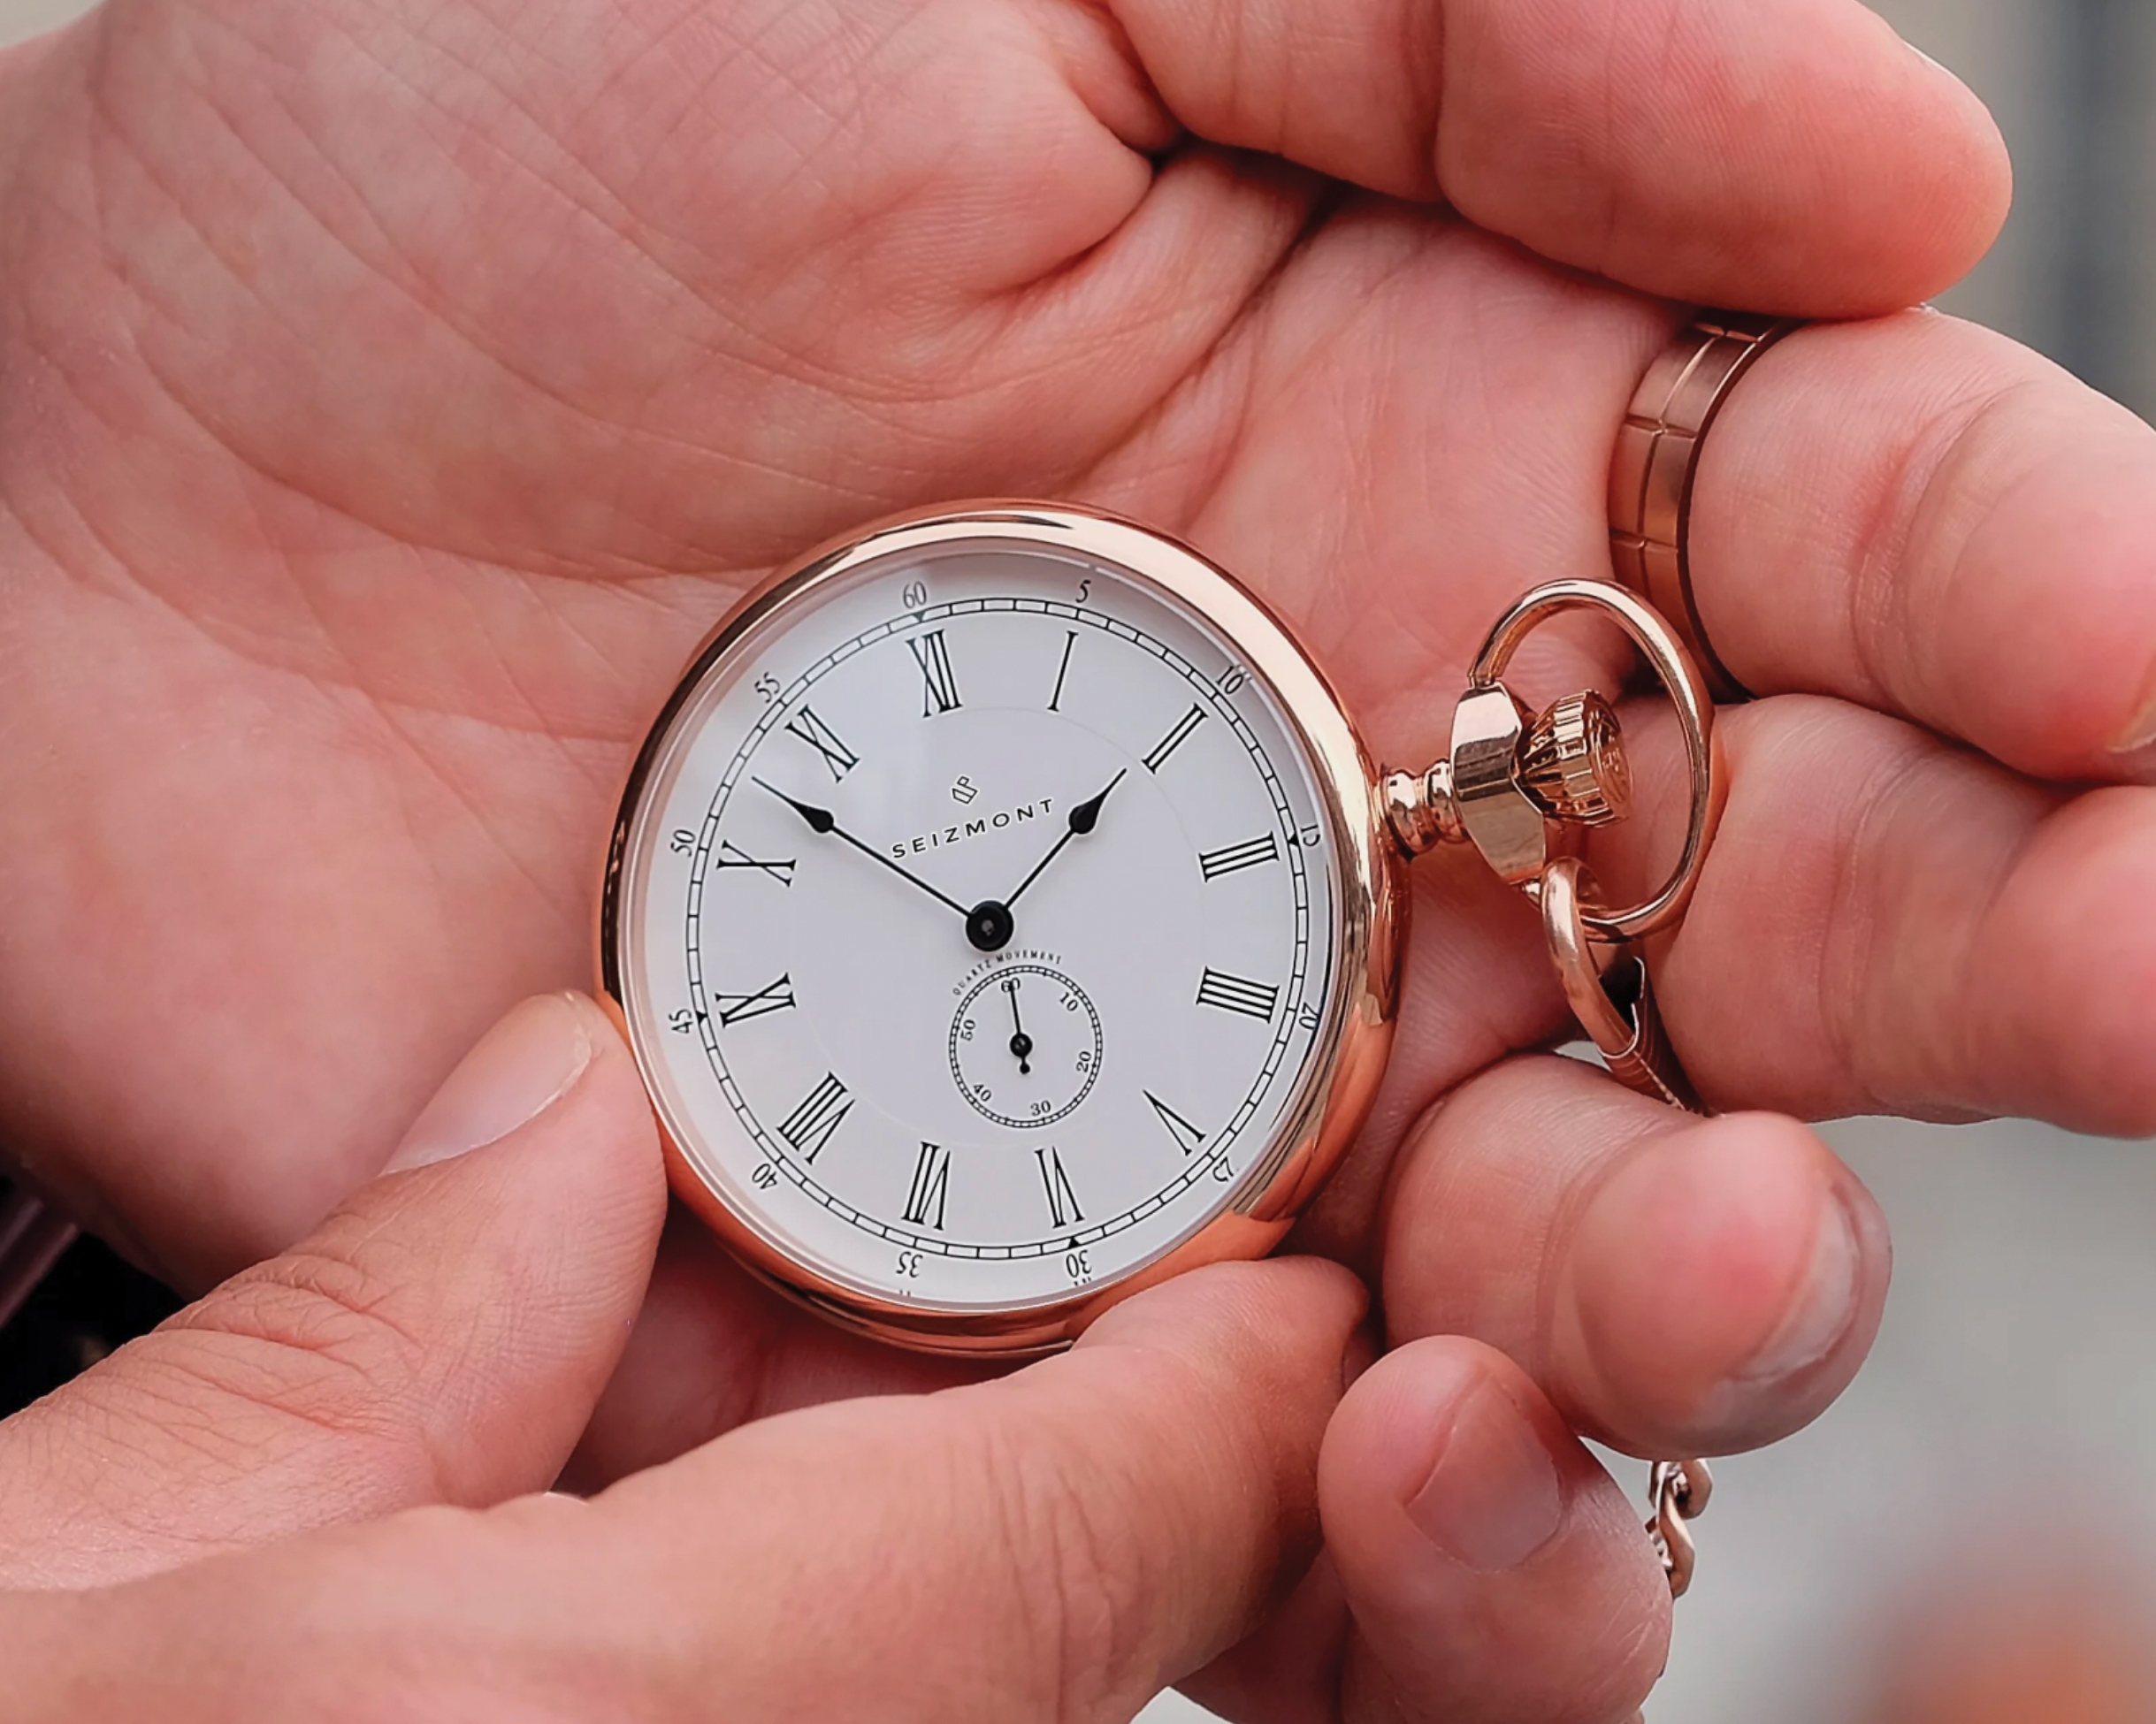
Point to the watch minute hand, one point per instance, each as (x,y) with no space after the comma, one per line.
(1083,819)
(821,820)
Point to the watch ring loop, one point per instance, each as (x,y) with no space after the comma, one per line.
(1686,687)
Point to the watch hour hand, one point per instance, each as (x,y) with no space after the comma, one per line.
(821,819)
(1083,819)
(1086,815)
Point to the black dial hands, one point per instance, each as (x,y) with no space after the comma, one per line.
(988,925)
(1021,1044)
(821,820)
(1083,819)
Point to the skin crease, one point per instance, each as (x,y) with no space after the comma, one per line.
(391,395)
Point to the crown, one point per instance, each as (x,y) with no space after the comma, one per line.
(1571,762)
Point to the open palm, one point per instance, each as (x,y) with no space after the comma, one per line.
(395,392)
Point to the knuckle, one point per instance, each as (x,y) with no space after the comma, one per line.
(314,1334)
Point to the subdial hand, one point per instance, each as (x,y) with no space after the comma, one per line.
(821,820)
(1083,819)
(1021,1044)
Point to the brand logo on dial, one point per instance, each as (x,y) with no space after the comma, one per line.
(942,836)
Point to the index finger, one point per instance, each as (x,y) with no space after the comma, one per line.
(1791,154)
(1108,1520)
(1059,1544)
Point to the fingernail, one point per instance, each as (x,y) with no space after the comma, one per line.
(1943,71)
(1825,1307)
(2135,757)
(522,1067)
(1493,1499)
(2137,765)
(1360,1353)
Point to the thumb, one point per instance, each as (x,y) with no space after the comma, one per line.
(1055,1545)
(441,1339)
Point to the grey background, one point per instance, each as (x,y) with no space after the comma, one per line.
(26,18)
(2002,1433)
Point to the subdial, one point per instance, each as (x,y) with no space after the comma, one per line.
(1025,1046)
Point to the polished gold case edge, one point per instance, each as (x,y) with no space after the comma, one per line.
(1371,928)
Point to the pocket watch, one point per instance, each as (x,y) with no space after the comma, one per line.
(1005,916)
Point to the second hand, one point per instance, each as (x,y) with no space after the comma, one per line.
(1021,1044)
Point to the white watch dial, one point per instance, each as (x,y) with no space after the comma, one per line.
(980,925)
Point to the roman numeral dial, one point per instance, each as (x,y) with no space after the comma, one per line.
(991,896)
(940,693)
(1186,1136)
(1227,993)
(1176,738)
(820,736)
(822,1111)
(1056,1185)
(925,1199)
(732,855)
(1063,671)
(740,1008)
(1235,857)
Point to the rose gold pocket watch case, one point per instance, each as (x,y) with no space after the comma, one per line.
(1340,1076)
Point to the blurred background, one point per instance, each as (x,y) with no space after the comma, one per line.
(1971,1537)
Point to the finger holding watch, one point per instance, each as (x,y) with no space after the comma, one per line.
(1668,1284)
(1783,1256)
(1980,892)
(1463,1515)
(309,1401)
(1560,1256)
(1889,921)
(1789,1296)
(1925,549)
(1097,1525)
(1820,1357)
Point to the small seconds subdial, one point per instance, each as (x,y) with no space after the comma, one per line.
(1025,1046)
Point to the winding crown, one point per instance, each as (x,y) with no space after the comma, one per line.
(1572,764)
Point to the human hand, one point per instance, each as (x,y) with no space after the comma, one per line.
(313,1494)
(395,394)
